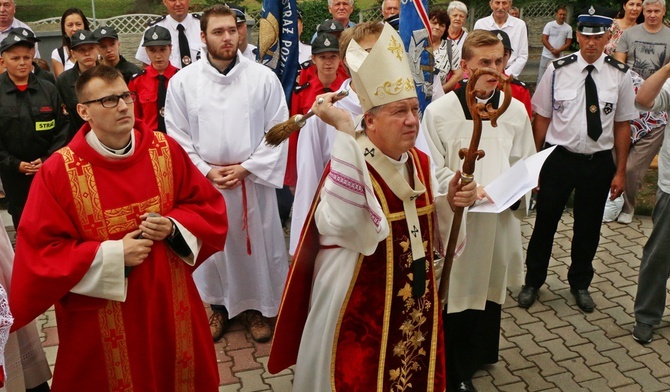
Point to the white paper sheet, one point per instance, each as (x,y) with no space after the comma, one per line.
(513,183)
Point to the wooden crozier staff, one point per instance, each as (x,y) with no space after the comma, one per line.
(471,154)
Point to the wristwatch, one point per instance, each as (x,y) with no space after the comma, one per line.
(173,232)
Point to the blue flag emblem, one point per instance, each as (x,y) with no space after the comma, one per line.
(415,34)
(278,41)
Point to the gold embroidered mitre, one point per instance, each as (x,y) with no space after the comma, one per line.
(383,75)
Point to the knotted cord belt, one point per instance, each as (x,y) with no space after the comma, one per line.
(245,208)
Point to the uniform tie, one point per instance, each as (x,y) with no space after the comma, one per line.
(593,124)
(184,50)
(162,92)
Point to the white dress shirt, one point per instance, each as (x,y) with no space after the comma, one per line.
(566,106)
(518,36)
(17,23)
(191,29)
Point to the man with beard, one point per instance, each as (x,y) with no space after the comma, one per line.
(219,110)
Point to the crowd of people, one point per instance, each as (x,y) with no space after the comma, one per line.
(140,189)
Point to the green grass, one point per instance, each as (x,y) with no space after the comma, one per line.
(646,196)
(34,10)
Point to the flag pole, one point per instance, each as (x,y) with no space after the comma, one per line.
(95,21)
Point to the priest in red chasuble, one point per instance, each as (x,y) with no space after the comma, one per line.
(361,311)
(114,226)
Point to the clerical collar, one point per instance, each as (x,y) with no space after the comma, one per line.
(494,100)
(228,68)
(401,161)
(401,166)
(485,100)
(111,153)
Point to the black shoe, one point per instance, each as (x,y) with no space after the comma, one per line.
(584,300)
(642,332)
(527,296)
(465,386)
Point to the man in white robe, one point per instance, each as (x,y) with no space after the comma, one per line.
(492,259)
(219,109)
(350,309)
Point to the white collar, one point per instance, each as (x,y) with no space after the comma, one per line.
(598,64)
(110,153)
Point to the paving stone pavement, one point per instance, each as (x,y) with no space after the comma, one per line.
(551,347)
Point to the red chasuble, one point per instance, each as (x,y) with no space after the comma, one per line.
(386,338)
(158,339)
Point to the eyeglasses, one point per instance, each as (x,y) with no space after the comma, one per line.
(112,101)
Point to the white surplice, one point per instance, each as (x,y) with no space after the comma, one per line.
(493,257)
(221,120)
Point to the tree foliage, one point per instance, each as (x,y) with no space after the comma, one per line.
(233,2)
(142,6)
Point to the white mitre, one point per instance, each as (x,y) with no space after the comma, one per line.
(383,75)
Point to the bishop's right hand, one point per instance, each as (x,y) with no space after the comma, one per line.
(339,118)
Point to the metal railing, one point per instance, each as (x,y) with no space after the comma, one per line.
(535,14)
(133,23)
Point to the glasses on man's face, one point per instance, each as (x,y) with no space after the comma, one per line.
(112,101)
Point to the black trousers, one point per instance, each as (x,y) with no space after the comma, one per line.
(16,187)
(44,387)
(471,339)
(284,203)
(590,178)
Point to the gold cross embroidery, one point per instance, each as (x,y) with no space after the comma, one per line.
(396,48)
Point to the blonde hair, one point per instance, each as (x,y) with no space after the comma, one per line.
(478,39)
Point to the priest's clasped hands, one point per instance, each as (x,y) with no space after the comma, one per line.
(137,244)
